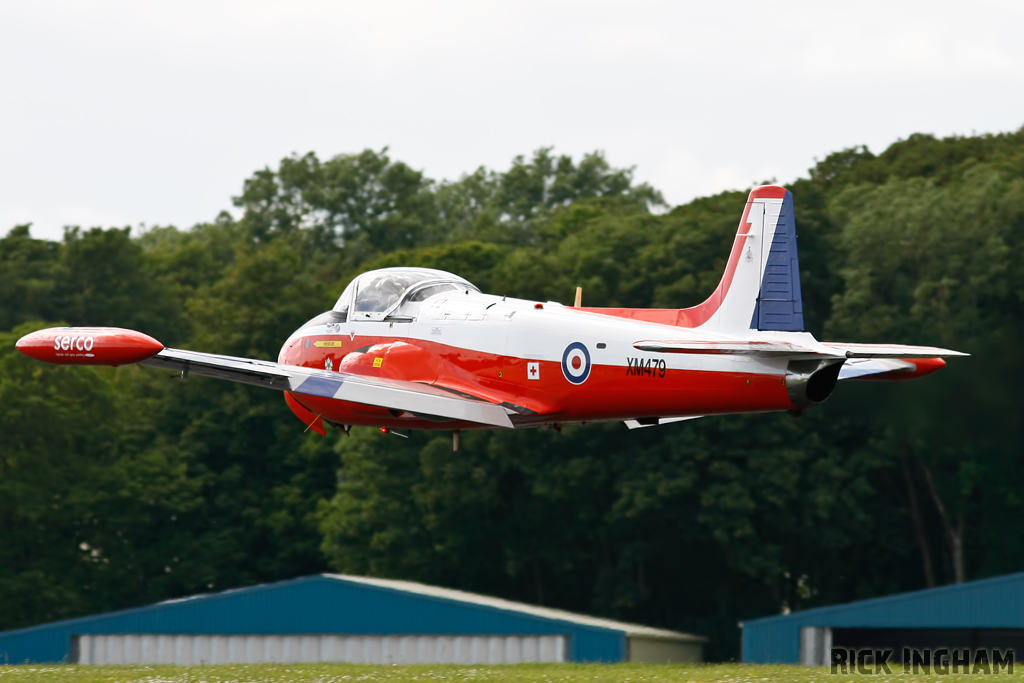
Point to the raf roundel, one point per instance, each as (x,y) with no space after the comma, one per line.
(576,363)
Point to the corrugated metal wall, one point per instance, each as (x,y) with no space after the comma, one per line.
(986,604)
(185,650)
(771,643)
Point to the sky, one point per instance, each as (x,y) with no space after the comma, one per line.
(153,113)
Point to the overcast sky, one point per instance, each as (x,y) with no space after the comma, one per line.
(121,113)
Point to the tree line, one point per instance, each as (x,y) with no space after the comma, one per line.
(124,486)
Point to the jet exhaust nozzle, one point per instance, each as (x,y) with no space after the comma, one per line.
(811,382)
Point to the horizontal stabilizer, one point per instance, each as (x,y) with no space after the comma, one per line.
(862,367)
(740,348)
(777,348)
(890,351)
(889,369)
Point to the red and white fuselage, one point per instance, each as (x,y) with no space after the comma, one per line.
(548,362)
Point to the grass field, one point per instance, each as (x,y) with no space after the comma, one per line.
(523,673)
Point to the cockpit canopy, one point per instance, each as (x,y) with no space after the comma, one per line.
(378,293)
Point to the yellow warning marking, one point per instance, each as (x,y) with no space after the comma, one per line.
(377,362)
(327,344)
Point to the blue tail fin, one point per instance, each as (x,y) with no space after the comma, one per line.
(760,288)
(780,304)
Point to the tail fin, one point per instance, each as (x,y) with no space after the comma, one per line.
(760,289)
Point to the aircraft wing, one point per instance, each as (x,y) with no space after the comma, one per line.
(395,394)
(412,397)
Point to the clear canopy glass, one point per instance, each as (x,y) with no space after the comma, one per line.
(373,294)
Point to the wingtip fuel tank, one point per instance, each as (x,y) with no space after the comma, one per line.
(89,346)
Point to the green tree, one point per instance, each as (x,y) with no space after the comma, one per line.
(364,201)
(27,278)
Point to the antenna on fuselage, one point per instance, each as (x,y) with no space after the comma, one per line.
(579,298)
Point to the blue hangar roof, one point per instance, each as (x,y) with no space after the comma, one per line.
(989,603)
(333,603)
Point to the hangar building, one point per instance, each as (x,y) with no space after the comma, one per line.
(336,618)
(980,614)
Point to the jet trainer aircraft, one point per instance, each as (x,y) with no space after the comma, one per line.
(415,348)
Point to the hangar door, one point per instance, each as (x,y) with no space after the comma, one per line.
(185,650)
